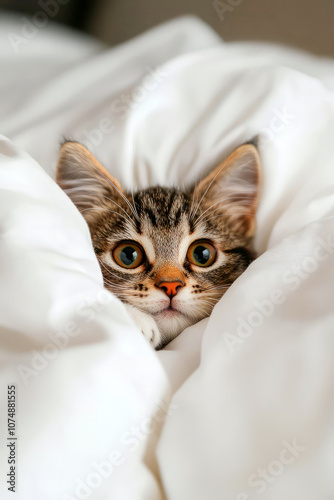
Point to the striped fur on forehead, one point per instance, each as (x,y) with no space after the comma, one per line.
(163,207)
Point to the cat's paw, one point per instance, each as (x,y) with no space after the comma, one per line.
(146,324)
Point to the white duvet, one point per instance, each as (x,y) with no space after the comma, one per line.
(239,406)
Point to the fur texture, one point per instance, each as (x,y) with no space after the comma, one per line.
(168,291)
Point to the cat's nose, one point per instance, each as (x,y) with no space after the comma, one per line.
(170,288)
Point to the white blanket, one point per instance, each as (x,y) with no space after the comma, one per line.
(251,413)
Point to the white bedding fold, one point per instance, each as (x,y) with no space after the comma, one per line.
(252,412)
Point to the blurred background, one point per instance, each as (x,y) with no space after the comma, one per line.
(306,24)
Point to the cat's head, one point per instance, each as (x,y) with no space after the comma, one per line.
(168,252)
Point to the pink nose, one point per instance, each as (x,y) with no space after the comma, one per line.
(170,288)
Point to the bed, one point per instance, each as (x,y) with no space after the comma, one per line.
(240,404)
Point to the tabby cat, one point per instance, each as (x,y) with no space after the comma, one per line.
(168,254)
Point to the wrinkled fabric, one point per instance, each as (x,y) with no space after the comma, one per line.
(240,404)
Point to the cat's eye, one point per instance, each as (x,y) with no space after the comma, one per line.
(128,255)
(201,253)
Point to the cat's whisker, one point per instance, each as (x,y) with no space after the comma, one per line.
(117,287)
(212,181)
(134,204)
(211,301)
(221,204)
(211,218)
(212,294)
(207,189)
(106,210)
(210,287)
(206,311)
(192,205)
(126,286)
(203,215)
(125,212)
(216,289)
(210,298)
(109,282)
(122,295)
(121,286)
(118,277)
(191,213)
(204,301)
(80,189)
(118,190)
(219,215)
(113,274)
(195,208)
(113,283)
(199,218)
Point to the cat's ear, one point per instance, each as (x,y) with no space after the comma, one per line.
(232,189)
(89,185)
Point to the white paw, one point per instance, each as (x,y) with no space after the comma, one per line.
(146,324)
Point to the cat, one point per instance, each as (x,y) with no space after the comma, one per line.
(168,254)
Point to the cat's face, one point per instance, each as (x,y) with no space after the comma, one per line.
(169,253)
